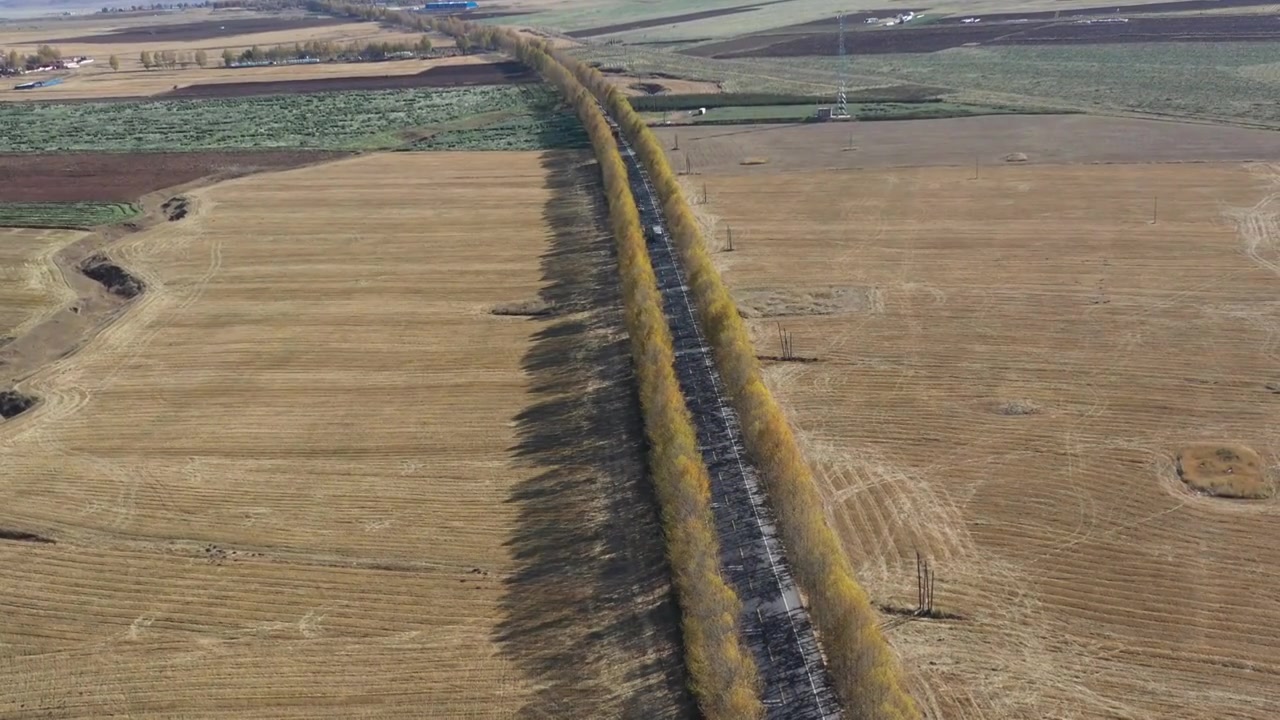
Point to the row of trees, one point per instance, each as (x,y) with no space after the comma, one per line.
(166,59)
(722,674)
(329,50)
(862,666)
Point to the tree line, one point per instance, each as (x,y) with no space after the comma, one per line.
(722,675)
(862,666)
(166,59)
(44,55)
(329,50)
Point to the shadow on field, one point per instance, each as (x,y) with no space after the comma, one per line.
(589,612)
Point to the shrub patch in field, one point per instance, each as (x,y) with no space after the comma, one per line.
(115,278)
(1223,470)
(14,403)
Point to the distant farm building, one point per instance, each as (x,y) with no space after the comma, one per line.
(36,84)
(451,6)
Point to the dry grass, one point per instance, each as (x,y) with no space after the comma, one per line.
(1092,583)
(1223,470)
(960,141)
(31,286)
(309,475)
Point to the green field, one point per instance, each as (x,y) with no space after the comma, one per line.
(806,113)
(65,215)
(1229,81)
(540,123)
(362,120)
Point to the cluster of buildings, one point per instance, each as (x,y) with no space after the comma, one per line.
(61,64)
(898,19)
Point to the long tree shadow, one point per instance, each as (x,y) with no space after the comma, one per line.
(589,612)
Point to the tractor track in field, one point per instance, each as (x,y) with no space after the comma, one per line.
(774,621)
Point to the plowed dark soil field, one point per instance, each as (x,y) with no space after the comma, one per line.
(1149,8)
(119,177)
(668,20)
(932,38)
(203,30)
(500,73)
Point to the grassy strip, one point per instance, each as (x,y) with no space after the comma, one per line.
(693,101)
(869,112)
(65,215)
(553,130)
(863,667)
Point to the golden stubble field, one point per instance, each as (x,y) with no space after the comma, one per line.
(1006,370)
(308,474)
(31,287)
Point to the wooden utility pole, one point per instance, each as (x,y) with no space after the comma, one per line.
(729,230)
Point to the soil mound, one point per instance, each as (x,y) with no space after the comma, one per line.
(112,276)
(1223,470)
(14,403)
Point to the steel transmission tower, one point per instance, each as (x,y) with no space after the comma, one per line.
(842,97)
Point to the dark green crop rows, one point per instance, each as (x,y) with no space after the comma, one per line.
(354,120)
(65,215)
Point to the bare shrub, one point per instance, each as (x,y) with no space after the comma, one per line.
(524,308)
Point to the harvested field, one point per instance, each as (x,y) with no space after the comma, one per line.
(117,177)
(31,287)
(1028,355)
(932,38)
(308,474)
(453,75)
(200,30)
(990,140)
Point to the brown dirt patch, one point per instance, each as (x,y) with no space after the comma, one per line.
(121,177)
(1223,470)
(1046,139)
(203,30)
(499,73)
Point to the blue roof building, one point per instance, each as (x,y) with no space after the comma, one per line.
(451,6)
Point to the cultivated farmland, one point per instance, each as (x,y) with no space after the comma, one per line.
(1011,373)
(353,120)
(65,215)
(335,483)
